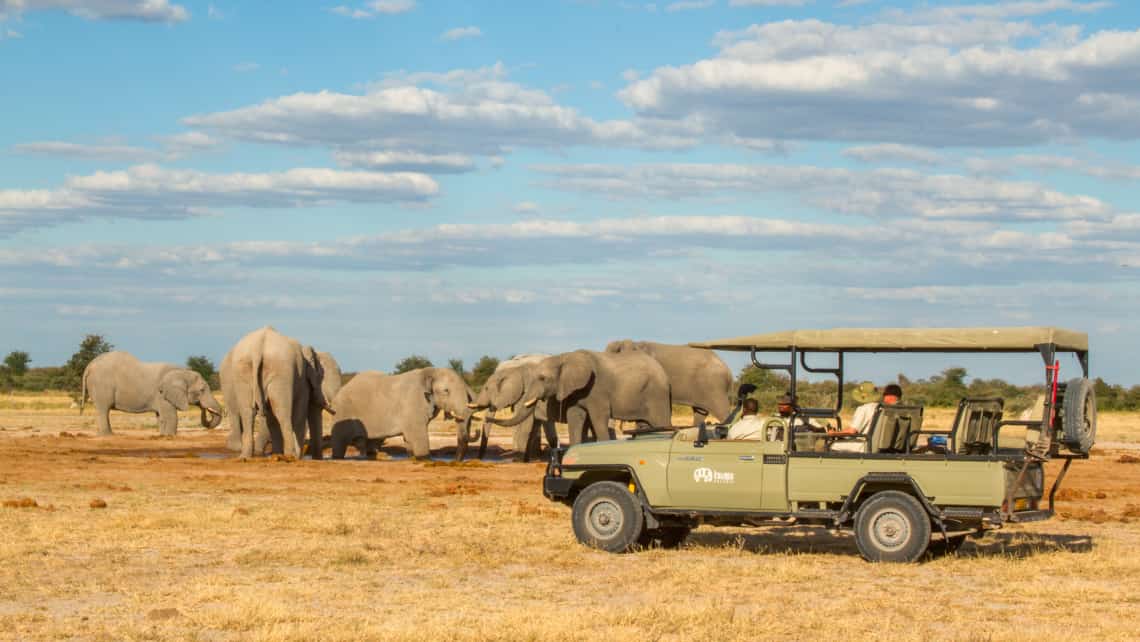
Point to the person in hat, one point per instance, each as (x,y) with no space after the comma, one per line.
(861,420)
(750,425)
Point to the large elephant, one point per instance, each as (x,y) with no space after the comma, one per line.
(330,385)
(375,406)
(595,387)
(119,381)
(698,378)
(273,375)
(506,388)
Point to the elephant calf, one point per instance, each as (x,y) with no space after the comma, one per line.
(118,381)
(375,406)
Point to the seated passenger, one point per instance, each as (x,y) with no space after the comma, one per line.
(786,405)
(750,426)
(861,420)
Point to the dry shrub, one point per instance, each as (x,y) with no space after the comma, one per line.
(98,503)
(1080,493)
(525,509)
(1128,459)
(23,502)
(458,488)
(350,558)
(163,614)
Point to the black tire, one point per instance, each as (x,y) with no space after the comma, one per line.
(892,526)
(949,546)
(608,517)
(664,537)
(1078,422)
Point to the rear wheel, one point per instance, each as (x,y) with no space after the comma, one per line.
(1079,418)
(892,526)
(607,516)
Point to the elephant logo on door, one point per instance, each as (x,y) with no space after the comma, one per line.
(709,476)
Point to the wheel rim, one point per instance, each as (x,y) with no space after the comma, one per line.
(604,519)
(890,529)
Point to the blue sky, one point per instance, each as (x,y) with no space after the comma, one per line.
(455,179)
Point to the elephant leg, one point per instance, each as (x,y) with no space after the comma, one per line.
(551,431)
(576,418)
(418,440)
(168,422)
(261,439)
(316,445)
(103,419)
(245,425)
(533,442)
(598,417)
(521,439)
(233,439)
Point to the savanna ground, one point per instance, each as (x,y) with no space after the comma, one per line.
(192,544)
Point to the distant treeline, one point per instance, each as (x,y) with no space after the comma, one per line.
(944,389)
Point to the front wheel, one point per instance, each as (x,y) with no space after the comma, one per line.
(892,526)
(608,517)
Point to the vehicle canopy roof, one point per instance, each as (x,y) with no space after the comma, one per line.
(1015,339)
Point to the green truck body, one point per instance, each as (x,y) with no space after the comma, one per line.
(902,488)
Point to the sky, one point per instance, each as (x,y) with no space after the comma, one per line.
(453,179)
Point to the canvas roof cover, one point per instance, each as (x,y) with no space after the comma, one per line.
(908,340)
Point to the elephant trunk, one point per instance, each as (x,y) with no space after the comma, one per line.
(520,416)
(211,413)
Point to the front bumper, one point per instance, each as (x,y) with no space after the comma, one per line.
(556,488)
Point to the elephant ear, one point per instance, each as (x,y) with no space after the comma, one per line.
(175,388)
(577,369)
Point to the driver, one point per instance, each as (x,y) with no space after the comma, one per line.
(750,425)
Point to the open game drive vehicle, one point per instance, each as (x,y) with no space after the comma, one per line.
(905,490)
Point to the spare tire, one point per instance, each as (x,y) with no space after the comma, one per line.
(1078,421)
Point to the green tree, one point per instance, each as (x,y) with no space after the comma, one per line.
(16,363)
(483,370)
(410,363)
(92,346)
(203,366)
(456,365)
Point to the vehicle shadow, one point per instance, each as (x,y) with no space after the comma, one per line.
(789,540)
(816,540)
(1025,545)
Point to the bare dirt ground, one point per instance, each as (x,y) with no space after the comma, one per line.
(140,537)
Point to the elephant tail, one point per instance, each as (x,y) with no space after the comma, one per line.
(83,391)
(258,392)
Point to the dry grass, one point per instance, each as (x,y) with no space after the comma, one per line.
(205,547)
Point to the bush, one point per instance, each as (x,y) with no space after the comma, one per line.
(414,362)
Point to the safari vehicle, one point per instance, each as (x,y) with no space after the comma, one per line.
(906,491)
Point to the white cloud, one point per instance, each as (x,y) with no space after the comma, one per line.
(153,192)
(459,33)
(375,8)
(1102,169)
(473,112)
(895,152)
(896,193)
(246,67)
(688,5)
(406,161)
(143,10)
(936,83)
(526,207)
(65,149)
(173,147)
(1004,10)
(768,3)
(392,6)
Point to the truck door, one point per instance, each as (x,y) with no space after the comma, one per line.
(721,474)
(775,464)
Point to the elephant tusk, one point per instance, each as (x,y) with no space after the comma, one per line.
(212,411)
(531,402)
(472,405)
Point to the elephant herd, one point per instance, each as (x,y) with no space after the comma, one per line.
(290,385)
